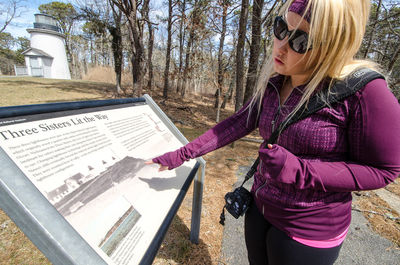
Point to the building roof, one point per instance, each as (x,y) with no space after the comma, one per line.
(36,52)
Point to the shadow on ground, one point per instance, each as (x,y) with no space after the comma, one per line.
(178,248)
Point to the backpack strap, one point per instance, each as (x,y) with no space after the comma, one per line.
(340,90)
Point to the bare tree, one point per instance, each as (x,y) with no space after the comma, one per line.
(194,24)
(182,9)
(381,41)
(229,93)
(395,57)
(221,30)
(168,52)
(145,14)
(10,9)
(240,54)
(255,45)
(116,44)
(372,32)
(135,27)
(100,20)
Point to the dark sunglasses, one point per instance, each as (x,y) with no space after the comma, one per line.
(298,39)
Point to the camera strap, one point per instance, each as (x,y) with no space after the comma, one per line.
(340,90)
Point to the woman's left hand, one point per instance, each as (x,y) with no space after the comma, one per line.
(280,165)
(273,159)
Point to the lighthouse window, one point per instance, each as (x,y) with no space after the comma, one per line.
(44,19)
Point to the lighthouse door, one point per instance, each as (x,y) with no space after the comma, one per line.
(35,66)
(47,67)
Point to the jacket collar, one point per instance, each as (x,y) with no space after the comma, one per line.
(277,81)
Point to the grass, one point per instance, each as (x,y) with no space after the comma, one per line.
(15,248)
(29,90)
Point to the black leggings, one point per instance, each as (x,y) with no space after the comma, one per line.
(267,245)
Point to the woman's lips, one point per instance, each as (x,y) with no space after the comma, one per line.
(278,61)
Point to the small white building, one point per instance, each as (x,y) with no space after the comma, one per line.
(46,57)
(38,63)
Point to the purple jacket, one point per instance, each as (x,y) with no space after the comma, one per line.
(303,184)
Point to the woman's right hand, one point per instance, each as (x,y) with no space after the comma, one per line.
(161,168)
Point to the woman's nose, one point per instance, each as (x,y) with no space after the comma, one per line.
(282,44)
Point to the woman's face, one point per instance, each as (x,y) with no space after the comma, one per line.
(286,60)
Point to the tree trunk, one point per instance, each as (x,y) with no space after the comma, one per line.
(168,55)
(150,57)
(70,57)
(145,17)
(128,7)
(395,56)
(239,54)
(117,52)
(220,78)
(137,59)
(372,34)
(181,44)
(254,50)
(228,94)
(219,107)
(116,46)
(145,14)
(187,61)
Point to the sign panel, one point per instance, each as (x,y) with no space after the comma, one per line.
(89,164)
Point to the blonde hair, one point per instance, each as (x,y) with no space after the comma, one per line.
(337,28)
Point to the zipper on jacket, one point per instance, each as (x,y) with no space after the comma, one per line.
(273,123)
(275,119)
(259,188)
(276,115)
(265,182)
(278,111)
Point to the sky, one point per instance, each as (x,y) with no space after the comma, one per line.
(30,7)
(27,10)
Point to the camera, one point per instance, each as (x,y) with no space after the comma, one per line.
(238,201)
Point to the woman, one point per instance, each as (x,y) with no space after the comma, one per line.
(302,188)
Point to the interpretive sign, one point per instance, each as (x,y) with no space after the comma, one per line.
(73,177)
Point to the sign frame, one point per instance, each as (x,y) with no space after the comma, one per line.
(47,228)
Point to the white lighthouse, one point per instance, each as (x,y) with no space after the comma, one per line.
(46,57)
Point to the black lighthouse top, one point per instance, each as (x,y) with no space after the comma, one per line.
(43,21)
